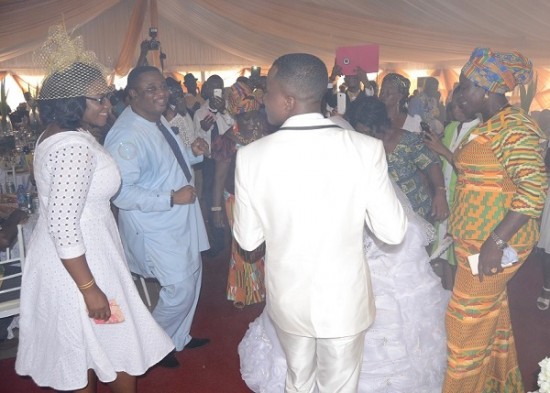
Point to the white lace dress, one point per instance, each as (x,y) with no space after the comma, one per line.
(76,178)
(405,348)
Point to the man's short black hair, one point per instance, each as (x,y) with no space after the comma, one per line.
(303,75)
(133,76)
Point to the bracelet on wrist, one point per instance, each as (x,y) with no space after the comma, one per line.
(89,284)
(501,244)
(216,209)
(171,198)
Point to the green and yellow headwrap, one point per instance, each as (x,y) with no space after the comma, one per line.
(498,72)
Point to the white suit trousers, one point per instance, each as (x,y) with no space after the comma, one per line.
(332,365)
(176,307)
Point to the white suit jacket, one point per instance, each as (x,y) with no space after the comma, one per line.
(308,193)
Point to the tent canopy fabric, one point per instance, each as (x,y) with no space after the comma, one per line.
(213,34)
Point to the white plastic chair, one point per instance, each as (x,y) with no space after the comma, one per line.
(10,289)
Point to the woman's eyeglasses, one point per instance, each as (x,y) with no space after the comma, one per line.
(103,99)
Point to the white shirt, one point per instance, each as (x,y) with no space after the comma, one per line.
(223,120)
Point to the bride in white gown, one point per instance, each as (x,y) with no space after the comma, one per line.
(405,348)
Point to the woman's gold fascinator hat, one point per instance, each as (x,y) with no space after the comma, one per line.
(71,71)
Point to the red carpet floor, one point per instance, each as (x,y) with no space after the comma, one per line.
(215,368)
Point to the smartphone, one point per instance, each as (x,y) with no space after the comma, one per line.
(218,93)
(426,132)
(255,72)
(424,126)
(509,257)
(341,103)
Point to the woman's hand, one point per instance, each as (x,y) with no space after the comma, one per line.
(217,219)
(96,303)
(490,257)
(440,207)
(436,144)
(336,71)
(362,76)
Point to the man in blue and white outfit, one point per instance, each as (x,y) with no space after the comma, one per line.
(160,220)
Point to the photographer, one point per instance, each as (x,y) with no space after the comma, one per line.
(149,44)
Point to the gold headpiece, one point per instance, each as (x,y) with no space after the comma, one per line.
(71,71)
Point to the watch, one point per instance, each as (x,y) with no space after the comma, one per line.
(501,244)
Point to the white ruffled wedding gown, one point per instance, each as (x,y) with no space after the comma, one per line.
(405,348)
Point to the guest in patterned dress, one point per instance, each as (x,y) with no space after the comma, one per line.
(500,192)
(245,284)
(456,131)
(394,93)
(408,157)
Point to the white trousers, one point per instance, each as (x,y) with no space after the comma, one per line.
(332,365)
(176,307)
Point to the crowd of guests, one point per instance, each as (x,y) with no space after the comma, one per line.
(307,194)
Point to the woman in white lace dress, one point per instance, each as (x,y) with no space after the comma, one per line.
(75,266)
(405,348)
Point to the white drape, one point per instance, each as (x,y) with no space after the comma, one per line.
(207,35)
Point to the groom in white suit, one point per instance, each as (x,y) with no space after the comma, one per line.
(307,191)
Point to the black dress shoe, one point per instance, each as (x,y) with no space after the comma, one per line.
(169,361)
(197,342)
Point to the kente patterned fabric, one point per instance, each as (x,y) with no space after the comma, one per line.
(452,138)
(499,169)
(241,99)
(245,283)
(498,72)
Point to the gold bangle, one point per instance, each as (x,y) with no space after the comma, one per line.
(87,285)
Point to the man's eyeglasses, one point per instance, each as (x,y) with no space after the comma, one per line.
(103,99)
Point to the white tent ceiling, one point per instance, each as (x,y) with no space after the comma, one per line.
(216,34)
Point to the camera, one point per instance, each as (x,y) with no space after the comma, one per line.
(154,44)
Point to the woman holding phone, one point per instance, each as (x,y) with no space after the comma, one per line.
(82,318)
(499,195)
(408,159)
